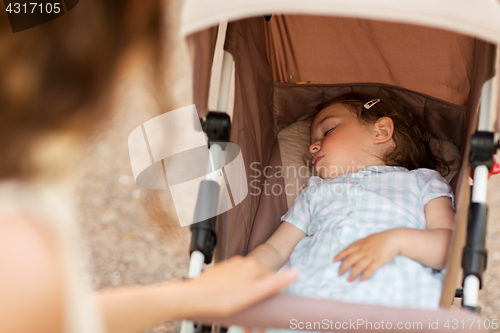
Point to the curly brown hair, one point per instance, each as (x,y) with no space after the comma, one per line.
(411,137)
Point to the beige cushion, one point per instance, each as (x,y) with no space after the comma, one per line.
(294,142)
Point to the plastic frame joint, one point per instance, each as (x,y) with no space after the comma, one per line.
(483,146)
(217,126)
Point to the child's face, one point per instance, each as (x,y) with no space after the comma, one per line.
(340,143)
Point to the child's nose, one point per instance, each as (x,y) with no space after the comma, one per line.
(313,149)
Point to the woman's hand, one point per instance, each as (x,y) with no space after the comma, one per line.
(228,287)
(235,284)
(368,254)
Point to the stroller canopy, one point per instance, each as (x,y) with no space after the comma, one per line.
(477,18)
(424,46)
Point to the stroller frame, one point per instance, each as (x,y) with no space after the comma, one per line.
(484,144)
(480,150)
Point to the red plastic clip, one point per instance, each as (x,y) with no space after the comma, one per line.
(495,167)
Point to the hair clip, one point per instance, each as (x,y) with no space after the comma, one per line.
(371,103)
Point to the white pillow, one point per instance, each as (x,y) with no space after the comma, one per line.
(294,142)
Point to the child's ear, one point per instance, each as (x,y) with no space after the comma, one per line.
(383,130)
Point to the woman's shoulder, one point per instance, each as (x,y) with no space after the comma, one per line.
(39,233)
(28,255)
(23,236)
(28,249)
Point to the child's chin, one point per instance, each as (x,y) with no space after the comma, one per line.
(325,175)
(328,173)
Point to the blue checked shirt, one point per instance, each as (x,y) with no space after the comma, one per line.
(337,212)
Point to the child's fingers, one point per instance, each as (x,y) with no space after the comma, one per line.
(369,271)
(344,253)
(349,261)
(359,268)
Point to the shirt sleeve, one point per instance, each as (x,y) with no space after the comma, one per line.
(299,214)
(433,185)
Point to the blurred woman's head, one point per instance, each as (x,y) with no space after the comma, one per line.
(54,78)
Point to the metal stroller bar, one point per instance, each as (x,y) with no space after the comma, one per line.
(217,126)
(484,144)
(225,80)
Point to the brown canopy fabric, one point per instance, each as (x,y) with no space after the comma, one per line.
(330,50)
(330,53)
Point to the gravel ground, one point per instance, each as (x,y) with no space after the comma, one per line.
(125,247)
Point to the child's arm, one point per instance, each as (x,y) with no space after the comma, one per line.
(276,251)
(429,247)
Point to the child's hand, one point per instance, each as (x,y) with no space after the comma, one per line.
(368,254)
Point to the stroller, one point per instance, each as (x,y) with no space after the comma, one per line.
(438,58)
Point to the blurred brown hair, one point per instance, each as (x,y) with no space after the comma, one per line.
(53,76)
(411,136)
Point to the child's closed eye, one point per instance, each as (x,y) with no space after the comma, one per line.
(327,132)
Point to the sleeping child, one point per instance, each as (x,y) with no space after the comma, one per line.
(375,224)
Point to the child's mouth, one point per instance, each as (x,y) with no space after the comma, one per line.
(315,160)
